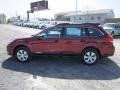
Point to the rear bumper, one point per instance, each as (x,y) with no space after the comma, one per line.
(109,51)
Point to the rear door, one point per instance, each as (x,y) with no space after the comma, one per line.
(94,37)
(73,40)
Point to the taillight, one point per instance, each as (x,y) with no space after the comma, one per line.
(109,38)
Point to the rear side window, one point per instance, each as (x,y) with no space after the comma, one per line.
(117,26)
(94,32)
(73,32)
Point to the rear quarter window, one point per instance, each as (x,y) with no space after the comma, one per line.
(94,32)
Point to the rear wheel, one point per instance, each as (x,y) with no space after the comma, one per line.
(22,54)
(90,56)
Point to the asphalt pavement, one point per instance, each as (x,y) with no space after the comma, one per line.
(54,73)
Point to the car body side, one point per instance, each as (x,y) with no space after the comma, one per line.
(49,46)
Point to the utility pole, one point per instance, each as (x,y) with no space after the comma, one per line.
(87,14)
(28,14)
(16,14)
(76,6)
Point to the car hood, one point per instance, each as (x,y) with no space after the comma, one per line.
(24,39)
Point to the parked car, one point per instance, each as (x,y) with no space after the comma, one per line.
(90,41)
(36,24)
(42,25)
(31,24)
(47,24)
(27,24)
(112,28)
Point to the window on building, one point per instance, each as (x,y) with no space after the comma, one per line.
(99,18)
(74,18)
(92,18)
(80,18)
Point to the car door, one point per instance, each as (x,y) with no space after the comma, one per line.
(73,40)
(50,43)
(95,38)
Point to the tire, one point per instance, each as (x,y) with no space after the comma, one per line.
(90,56)
(22,54)
(112,34)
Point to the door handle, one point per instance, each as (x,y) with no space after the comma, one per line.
(69,41)
(56,41)
(82,40)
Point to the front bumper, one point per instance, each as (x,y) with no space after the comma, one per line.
(10,50)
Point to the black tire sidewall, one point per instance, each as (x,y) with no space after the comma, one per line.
(90,50)
(112,33)
(22,48)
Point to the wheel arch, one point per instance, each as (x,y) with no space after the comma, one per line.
(18,46)
(92,47)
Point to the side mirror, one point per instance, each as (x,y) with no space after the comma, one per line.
(33,35)
(41,37)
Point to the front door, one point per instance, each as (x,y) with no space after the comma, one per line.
(50,43)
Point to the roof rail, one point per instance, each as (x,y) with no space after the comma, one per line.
(96,24)
(63,24)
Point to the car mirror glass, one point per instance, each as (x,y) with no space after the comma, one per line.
(42,36)
(33,35)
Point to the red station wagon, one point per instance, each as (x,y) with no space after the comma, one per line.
(90,41)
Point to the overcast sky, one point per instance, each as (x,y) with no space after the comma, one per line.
(10,7)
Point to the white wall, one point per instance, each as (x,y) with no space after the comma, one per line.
(2,19)
(95,18)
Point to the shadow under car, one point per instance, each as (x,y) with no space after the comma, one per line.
(65,68)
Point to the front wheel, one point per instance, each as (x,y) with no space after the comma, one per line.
(90,56)
(22,54)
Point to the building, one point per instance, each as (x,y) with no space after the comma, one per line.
(12,19)
(113,20)
(96,16)
(2,18)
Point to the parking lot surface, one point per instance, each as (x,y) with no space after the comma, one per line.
(55,73)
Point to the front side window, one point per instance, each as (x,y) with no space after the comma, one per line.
(51,33)
(54,33)
(73,32)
